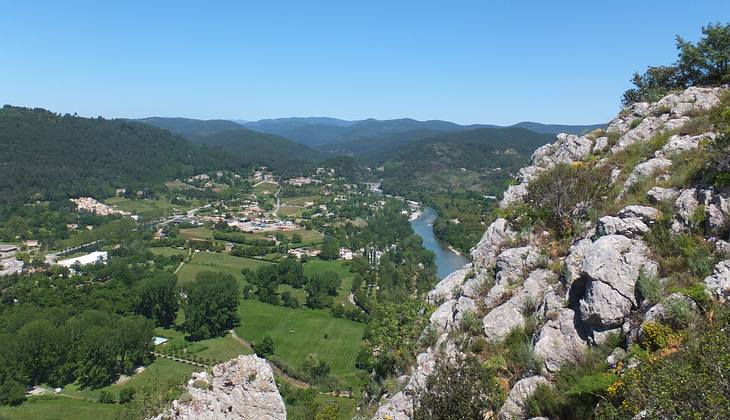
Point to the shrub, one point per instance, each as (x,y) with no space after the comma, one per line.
(265,347)
(648,287)
(106,397)
(471,324)
(562,196)
(679,313)
(463,389)
(655,335)
(689,383)
(577,388)
(126,395)
(520,354)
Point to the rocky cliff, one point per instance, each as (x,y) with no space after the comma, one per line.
(580,295)
(241,388)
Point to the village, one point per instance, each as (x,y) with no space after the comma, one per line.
(260,205)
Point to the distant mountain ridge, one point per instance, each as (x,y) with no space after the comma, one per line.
(328,133)
(247,147)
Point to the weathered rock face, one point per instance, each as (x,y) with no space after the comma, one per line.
(657,195)
(650,168)
(242,388)
(590,292)
(497,235)
(444,290)
(514,407)
(558,341)
(718,284)
(511,314)
(609,272)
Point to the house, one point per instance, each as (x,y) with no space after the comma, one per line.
(8,250)
(92,258)
(346,254)
(31,243)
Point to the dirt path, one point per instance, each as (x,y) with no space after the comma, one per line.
(293,381)
(190,250)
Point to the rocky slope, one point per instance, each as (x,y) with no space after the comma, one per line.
(592,293)
(241,388)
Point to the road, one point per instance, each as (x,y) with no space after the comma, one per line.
(278,202)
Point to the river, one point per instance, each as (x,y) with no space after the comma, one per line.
(447,260)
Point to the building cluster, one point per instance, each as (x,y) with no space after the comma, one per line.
(301,181)
(301,252)
(91,205)
(263,175)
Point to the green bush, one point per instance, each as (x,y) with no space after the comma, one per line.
(655,335)
(577,388)
(648,287)
(265,347)
(562,196)
(691,382)
(12,393)
(126,395)
(679,313)
(106,397)
(462,389)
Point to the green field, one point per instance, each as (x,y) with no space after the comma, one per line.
(319,266)
(146,208)
(158,372)
(266,186)
(298,201)
(59,407)
(286,211)
(218,349)
(298,332)
(223,263)
(196,233)
(167,251)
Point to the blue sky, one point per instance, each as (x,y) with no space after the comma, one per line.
(465,61)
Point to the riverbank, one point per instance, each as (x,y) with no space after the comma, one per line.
(448,259)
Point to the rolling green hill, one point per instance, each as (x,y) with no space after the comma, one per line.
(188,127)
(473,160)
(50,156)
(250,147)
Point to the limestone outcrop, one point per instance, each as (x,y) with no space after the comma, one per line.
(577,297)
(241,388)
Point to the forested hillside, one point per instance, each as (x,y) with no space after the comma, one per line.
(52,156)
(248,147)
(187,127)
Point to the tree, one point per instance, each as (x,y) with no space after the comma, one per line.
(320,287)
(157,299)
(211,305)
(12,393)
(265,347)
(296,238)
(330,249)
(462,389)
(315,368)
(703,63)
